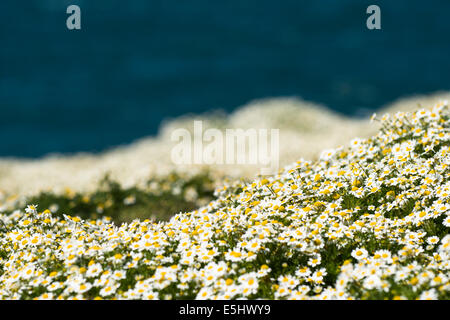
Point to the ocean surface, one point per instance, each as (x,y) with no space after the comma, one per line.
(137,63)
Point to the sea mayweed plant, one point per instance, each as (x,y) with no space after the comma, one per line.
(367,222)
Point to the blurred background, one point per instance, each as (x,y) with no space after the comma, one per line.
(138,63)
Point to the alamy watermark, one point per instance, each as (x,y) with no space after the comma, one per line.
(230,147)
(73,21)
(374,20)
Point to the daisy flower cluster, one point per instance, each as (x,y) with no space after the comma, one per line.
(370,221)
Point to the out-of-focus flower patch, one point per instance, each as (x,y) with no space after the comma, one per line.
(159,199)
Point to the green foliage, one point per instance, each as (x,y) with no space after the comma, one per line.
(161,199)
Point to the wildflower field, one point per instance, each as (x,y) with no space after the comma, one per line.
(369,221)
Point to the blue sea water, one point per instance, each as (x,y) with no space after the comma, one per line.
(135,63)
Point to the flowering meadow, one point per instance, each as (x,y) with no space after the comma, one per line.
(369,221)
